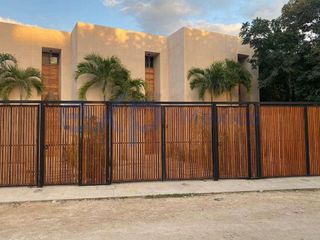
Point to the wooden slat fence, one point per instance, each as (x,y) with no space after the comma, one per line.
(18,145)
(136,143)
(94,169)
(188,142)
(61,165)
(232,140)
(283,150)
(93,143)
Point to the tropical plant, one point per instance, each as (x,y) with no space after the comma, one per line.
(220,77)
(236,75)
(25,80)
(128,90)
(5,60)
(211,79)
(99,71)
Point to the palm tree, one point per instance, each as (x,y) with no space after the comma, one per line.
(210,80)
(5,57)
(5,60)
(128,90)
(99,72)
(24,79)
(236,75)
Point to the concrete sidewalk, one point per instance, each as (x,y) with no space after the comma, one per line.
(146,189)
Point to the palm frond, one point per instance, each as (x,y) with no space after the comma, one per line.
(106,73)
(23,79)
(84,89)
(6,57)
(195,73)
(6,88)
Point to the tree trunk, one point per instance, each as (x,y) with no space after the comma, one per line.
(21,93)
(211,96)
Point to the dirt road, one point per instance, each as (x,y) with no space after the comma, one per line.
(272,215)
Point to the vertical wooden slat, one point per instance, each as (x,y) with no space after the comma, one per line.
(94,144)
(62,143)
(282,141)
(233,148)
(18,145)
(314,139)
(136,143)
(188,142)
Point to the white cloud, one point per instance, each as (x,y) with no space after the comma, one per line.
(232,29)
(159,16)
(111,3)
(268,9)
(9,20)
(167,16)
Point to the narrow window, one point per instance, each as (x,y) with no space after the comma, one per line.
(51,74)
(149,76)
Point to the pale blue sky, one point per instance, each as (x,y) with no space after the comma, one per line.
(152,16)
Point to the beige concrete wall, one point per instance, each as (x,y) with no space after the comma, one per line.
(129,46)
(26,43)
(176,54)
(202,48)
(176,66)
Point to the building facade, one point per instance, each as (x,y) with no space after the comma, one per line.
(162,61)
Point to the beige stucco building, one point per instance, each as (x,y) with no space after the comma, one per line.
(163,60)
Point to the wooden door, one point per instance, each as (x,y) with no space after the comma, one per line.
(150,83)
(50,74)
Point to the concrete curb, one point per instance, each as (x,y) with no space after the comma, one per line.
(152,190)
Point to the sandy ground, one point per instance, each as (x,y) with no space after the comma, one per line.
(269,215)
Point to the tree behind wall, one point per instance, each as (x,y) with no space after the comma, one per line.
(219,78)
(110,76)
(209,80)
(13,77)
(287,52)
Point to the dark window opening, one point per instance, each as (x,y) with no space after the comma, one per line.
(49,58)
(242,58)
(149,61)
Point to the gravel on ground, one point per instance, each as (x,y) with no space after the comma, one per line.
(268,215)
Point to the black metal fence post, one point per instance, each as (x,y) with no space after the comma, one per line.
(248,125)
(215,141)
(106,152)
(110,127)
(80,142)
(306,127)
(258,140)
(40,174)
(163,143)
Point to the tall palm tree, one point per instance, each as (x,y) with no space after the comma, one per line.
(236,75)
(25,80)
(211,79)
(128,90)
(100,72)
